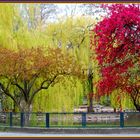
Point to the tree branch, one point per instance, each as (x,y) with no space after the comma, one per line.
(21,89)
(42,87)
(6,92)
(32,82)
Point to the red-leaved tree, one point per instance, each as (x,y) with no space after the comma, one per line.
(117,42)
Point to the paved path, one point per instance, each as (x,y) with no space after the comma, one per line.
(14,134)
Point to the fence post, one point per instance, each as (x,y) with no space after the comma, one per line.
(83,119)
(122,119)
(11,115)
(47,120)
(21,119)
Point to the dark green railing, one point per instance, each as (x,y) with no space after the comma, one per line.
(79,120)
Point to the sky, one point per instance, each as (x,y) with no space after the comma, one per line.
(70,9)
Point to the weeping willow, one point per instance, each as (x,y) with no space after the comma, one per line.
(68,94)
(19,30)
(62,97)
(124,100)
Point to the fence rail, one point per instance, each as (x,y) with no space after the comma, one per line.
(83,120)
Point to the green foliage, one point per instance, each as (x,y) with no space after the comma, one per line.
(105,100)
(71,34)
(62,97)
(124,99)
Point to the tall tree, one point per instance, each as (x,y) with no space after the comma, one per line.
(15,32)
(117,41)
(26,72)
(77,42)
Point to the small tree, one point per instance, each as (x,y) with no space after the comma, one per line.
(117,42)
(25,72)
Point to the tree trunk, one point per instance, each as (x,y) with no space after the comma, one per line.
(137,106)
(135,96)
(90,108)
(26,109)
(90,87)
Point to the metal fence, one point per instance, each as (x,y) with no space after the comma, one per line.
(81,120)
